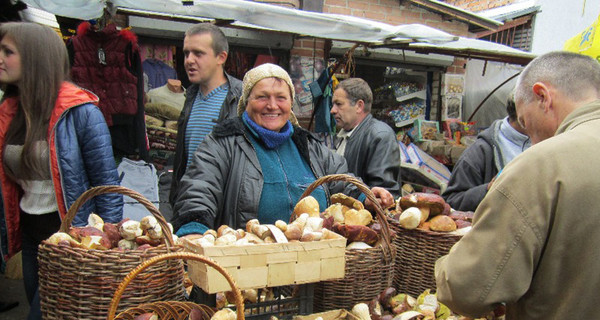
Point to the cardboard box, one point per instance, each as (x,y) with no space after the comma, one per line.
(269,265)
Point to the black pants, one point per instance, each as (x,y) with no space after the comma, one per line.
(35,228)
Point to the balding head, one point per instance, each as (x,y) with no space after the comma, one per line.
(574,75)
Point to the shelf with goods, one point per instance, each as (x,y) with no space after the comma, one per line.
(402,99)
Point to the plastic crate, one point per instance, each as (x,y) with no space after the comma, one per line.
(289,301)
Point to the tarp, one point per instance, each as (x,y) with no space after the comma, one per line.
(259,15)
(249,14)
(587,42)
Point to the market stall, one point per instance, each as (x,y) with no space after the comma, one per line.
(336,259)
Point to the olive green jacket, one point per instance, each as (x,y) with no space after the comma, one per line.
(535,237)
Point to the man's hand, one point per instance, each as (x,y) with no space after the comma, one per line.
(383,196)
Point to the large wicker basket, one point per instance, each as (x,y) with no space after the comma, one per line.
(416,253)
(76,283)
(171,310)
(367,271)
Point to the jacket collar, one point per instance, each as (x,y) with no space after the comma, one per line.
(590,111)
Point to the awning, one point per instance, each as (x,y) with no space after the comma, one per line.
(255,15)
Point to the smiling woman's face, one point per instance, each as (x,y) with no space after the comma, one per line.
(270,103)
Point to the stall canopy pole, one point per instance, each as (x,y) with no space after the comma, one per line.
(490,94)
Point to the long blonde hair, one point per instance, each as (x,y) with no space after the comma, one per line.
(44,67)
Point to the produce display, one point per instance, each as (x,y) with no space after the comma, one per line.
(428,211)
(346,216)
(391,305)
(125,235)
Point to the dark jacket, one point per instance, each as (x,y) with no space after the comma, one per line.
(80,158)
(224,182)
(476,167)
(228,110)
(373,154)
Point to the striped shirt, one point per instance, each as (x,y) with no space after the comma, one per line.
(203,117)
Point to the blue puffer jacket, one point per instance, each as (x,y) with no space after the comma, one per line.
(81,157)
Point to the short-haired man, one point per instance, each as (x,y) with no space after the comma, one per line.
(369,145)
(212,97)
(495,147)
(534,242)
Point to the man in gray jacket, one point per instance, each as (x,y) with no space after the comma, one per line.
(369,145)
(212,97)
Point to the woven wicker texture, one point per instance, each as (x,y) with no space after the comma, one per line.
(416,253)
(78,283)
(367,272)
(171,310)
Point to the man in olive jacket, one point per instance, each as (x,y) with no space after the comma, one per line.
(212,97)
(534,241)
(369,145)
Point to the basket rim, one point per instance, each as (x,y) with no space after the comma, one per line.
(239,300)
(386,244)
(99,190)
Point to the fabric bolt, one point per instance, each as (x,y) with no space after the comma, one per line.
(158,72)
(139,176)
(162,95)
(203,117)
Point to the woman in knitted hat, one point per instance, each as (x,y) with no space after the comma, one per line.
(259,164)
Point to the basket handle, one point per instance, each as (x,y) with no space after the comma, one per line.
(239,301)
(95,191)
(385,227)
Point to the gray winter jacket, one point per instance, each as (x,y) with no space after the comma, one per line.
(223,184)
(373,154)
(228,110)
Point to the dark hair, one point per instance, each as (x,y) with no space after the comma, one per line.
(219,41)
(44,67)
(357,89)
(510,108)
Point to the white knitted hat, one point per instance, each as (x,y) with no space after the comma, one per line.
(254,75)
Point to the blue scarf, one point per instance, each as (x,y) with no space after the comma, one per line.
(270,139)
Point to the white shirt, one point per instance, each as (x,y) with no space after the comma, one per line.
(342,136)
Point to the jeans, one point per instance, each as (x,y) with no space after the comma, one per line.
(35,228)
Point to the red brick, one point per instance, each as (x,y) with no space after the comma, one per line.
(337,3)
(374,15)
(301,52)
(338,10)
(354,5)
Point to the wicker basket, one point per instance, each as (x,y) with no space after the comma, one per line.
(367,271)
(171,310)
(416,253)
(76,283)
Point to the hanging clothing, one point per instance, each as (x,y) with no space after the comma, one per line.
(158,72)
(322,93)
(107,62)
(139,176)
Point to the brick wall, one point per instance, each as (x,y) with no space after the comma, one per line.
(393,12)
(479,5)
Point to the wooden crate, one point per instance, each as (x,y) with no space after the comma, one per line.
(269,265)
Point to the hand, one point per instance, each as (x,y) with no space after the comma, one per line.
(383,196)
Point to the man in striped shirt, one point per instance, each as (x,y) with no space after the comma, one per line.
(212,96)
